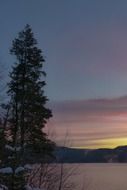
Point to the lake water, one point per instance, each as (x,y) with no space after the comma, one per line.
(101,176)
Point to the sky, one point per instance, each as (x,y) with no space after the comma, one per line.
(85,46)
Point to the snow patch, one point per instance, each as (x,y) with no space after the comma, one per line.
(19,169)
(3,187)
(28,187)
(28,167)
(17,148)
(7,170)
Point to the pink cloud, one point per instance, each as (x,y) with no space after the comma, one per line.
(90,120)
(95,109)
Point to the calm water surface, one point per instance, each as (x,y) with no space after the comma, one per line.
(101,176)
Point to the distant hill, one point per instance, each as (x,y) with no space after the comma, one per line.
(102,155)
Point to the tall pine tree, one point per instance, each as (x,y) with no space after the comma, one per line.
(28,112)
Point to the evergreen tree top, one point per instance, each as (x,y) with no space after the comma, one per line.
(26,43)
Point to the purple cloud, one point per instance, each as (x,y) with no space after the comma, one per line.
(90,120)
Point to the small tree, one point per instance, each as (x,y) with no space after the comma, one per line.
(59,175)
(28,113)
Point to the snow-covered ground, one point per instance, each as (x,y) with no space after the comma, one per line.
(94,176)
(28,187)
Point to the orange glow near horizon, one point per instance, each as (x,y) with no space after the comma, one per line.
(105,143)
(98,123)
(102,135)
